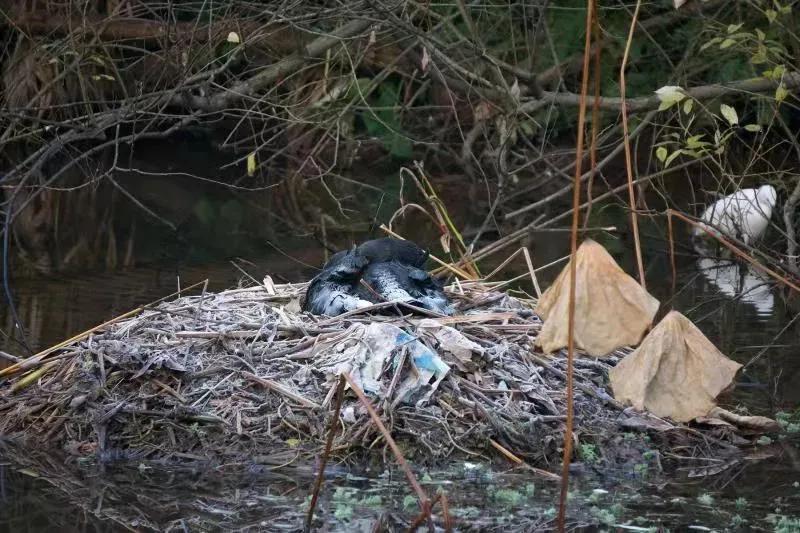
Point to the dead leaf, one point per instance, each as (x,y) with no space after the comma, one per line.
(756,423)
(676,372)
(611,309)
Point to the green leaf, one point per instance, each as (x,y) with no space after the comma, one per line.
(727,43)
(688,104)
(204,211)
(661,153)
(734,27)
(753,127)
(695,142)
(761,35)
(400,147)
(669,95)
(771,15)
(672,157)
(781,93)
(783,9)
(730,114)
(759,58)
(251,164)
(712,42)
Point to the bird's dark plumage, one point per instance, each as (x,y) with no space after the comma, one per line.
(390,268)
(397,282)
(391,249)
(335,289)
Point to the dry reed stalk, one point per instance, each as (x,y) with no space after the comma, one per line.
(597,71)
(337,408)
(576,202)
(448,522)
(532,272)
(280,389)
(516,460)
(446,225)
(423,515)
(412,480)
(627,143)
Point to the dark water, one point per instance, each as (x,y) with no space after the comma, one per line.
(743,314)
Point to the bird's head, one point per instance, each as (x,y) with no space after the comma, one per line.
(768,194)
(344,266)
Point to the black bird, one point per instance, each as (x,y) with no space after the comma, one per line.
(395,273)
(391,249)
(398,282)
(376,271)
(335,289)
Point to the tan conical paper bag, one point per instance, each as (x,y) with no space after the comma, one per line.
(676,372)
(611,309)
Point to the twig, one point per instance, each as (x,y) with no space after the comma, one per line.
(424,502)
(516,460)
(455,270)
(576,200)
(627,143)
(280,389)
(337,408)
(532,272)
(790,81)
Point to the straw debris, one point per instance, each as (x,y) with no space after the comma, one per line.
(234,376)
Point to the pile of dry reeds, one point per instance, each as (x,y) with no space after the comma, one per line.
(239,375)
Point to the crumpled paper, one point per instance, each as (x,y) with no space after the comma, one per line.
(611,309)
(676,372)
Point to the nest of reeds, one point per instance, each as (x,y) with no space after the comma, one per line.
(242,375)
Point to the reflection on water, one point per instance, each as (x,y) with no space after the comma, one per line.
(739,281)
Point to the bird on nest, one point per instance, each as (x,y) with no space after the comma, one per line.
(380,270)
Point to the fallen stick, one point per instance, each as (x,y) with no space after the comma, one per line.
(280,389)
(516,460)
(324,459)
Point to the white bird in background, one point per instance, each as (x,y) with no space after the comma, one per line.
(743,215)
